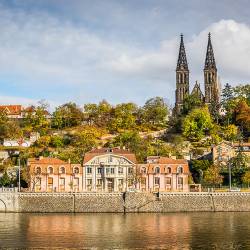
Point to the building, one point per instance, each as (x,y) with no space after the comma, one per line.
(161,174)
(211,83)
(109,169)
(22,142)
(12,111)
(54,175)
(224,151)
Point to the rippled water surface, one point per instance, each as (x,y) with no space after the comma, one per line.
(130,231)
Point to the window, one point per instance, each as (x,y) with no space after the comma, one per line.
(120,182)
(107,170)
(76,170)
(120,170)
(157,181)
(130,170)
(180,180)
(62,170)
(143,170)
(50,170)
(112,170)
(157,170)
(38,181)
(76,181)
(50,181)
(38,170)
(62,181)
(180,170)
(169,170)
(89,170)
(99,170)
(143,181)
(89,182)
(99,182)
(168,180)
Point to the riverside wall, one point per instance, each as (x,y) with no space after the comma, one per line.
(120,203)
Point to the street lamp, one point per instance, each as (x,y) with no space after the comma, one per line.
(230,176)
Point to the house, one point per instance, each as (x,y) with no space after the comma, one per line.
(109,169)
(12,111)
(224,151)
(54,175)
(161,174)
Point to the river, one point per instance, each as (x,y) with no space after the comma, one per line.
(131,231)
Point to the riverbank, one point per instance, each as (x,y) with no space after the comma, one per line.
(123,202)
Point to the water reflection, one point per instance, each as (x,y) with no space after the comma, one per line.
(140,231)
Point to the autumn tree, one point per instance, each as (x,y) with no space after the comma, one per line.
(212,176)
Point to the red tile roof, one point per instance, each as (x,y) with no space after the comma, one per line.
(11,109)
(165,160)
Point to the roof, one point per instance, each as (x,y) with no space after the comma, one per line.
(46,160)
(115,151)
(165,160)
(11,109)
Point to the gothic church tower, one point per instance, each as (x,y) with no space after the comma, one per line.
(182,77)
(210,75)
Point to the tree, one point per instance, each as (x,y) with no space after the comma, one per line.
(155,112)
(36,117)
(242,115)
(230,132)
(98,115)
(197,123)
(123,117)
(67,115)
(5,179)
(246,178)
(212,176)
(56,141)
(191,102)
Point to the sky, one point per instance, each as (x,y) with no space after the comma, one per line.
(85,51)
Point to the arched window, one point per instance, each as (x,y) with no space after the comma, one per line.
(62,170)
(38,170)
(143,170)
(76,170)
(180,170)
(157,170)
(168,170)
(50,170)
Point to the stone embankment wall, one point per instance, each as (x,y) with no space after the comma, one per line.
(129,202)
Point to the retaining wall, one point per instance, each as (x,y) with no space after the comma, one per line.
(119,203)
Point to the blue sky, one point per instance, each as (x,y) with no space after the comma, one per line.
(121,51)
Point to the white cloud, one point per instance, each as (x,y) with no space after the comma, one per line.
(55,56)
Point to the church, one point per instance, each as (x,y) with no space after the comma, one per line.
(211,83)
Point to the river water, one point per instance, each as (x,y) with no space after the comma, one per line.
(130,231)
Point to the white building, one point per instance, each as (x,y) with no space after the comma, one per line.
(111,170)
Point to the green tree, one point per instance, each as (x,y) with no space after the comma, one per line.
(197,123)
(5,179)
(155,113)
(123,117)
(57,141)
(67,115)
(191,102)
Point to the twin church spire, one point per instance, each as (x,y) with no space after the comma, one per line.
(182,77)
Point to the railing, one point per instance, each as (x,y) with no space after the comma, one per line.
(8,190)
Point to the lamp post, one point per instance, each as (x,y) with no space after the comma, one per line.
(230,176)
(19,175)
